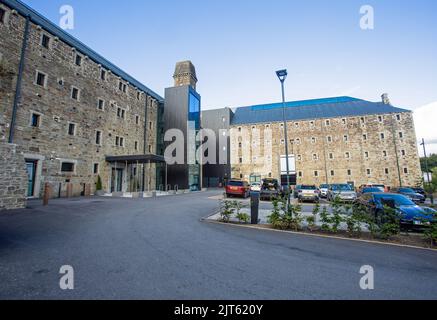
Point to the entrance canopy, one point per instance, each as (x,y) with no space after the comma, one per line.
(132,159)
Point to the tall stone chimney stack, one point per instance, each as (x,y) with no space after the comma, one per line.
(185,74)
(385,99)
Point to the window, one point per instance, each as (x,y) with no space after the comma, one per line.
(45,41)
(103,75)
(331,155)
(386,171)
(380,119)
(363,120)
(401,135)
(345,138)
(67,166)
(347,155)
(239,129)
(366,154)
(332,173)
(406,170)
(98,137)
(299,157)
(312,124)
(300,174)
(296,124)
(382,136)
(239,145)
(137,119)
(35,120)
(349,172)
(117,141)
(150,125)
(364,137)
(71,129)
(316,173)
(136,145)
(297,140)
(41,79)
(282,141)
(138,95)
(241,176)
(150,148)
(121,142)
(384,153)
(403,152)
(398,117)
(315,156)
(74,93)
(100,104)
(78,60)
(313,140)
(122,86)
(240,160)
(96,168)
(344,121)
(121,112)
(329,139)
(327,123)
(368,171)
(2,15)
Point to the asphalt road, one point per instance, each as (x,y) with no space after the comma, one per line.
(159,249)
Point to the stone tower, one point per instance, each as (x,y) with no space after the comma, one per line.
(185,74)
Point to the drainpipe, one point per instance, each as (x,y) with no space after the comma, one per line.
(145,141)
(19,80)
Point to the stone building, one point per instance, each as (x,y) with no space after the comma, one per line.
(73,115)
(333,140)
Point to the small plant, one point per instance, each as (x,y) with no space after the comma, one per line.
(243,217)
(226,210)
(337,210)
(99,183)
(325,219)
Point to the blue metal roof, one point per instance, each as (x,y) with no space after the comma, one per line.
(311,109)
(50,27)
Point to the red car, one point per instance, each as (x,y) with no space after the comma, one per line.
(238,188)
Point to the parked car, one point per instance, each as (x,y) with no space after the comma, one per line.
(238,188)
(255,186)
(296,191)
(323,190)
(270,189)
(308,193)
(369,190)
(419,191)
(408,192)
(411,215)
(381,187)
(344,192)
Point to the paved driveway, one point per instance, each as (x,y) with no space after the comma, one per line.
(159,249)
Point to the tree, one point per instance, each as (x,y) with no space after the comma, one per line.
(432,162)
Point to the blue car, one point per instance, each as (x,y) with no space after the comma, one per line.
(411,215)
(410,193)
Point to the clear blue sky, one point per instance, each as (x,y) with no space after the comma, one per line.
(236,45)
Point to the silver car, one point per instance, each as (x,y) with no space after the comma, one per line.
(324,190)
(344,192)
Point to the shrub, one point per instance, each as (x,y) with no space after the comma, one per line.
(226,210)
(284,217)
(430,234)
(99,183)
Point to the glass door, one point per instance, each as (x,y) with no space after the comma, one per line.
(31,172)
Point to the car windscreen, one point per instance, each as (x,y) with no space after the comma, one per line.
(399,200)
(235,183)
(324,186)
(308,188)
(367,190)
(341,187)
(406,190)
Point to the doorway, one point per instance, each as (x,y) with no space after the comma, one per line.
(31,174)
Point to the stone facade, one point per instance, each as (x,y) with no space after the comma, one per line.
(360,150)
(72,110)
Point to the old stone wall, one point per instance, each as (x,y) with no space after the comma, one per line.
(351,149)
(106,105)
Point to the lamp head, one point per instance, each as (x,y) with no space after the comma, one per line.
(282,74)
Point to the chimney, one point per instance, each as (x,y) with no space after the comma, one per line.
(385,99)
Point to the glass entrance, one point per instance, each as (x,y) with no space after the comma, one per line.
(117,180)
(31,173)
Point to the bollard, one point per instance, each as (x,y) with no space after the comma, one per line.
(254,207)
(69,190)
(46,196)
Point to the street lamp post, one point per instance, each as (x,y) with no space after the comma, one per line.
(427,170)
(282,75)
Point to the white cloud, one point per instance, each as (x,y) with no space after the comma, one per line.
(425,120)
